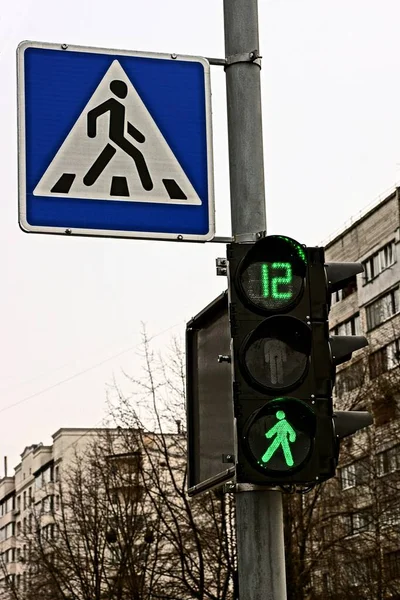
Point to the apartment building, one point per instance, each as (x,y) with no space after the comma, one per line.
(34,481)
(111,520)
(371,303)
(356,543)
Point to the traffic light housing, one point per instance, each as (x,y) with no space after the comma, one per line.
(283,360)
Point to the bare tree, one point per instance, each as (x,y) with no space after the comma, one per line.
(196,537)
(343,537)
(118,523)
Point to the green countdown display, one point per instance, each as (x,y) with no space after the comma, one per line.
(274,285)
(279,437)
(272,274)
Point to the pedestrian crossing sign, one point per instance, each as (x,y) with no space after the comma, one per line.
(114,143)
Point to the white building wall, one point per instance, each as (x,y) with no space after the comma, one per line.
(28,485)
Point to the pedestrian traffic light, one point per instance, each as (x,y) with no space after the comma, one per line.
(283,360)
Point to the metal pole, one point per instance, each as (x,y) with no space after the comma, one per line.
(259,517)
(246,162)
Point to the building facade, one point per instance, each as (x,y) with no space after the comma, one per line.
(355,546)
(35,482)
(103,514)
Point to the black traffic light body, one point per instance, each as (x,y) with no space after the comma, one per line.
(283,368)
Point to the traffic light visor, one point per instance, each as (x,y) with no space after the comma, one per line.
(271,275)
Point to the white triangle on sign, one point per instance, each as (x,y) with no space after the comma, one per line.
(133,168)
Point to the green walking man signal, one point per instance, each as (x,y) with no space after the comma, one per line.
(284,433)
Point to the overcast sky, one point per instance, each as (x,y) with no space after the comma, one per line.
(71,308)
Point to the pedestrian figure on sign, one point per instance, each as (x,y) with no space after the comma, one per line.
(117,124)
(284,433)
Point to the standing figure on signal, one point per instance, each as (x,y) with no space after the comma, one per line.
(116,134)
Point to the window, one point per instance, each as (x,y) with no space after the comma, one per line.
(10,504)
(377,362)
(382,309)
(7,531)
(348,476)
(362,571)
(358,522)
(390,516)
(386,255)
(327,584)
(325,531)
(391,563)
(362,521)
(384,359)
(48,532)
(393,354)
(349,327)
(48,475)
(7,505)
(349,379)
(350,288)
(44,477)
(47,504)
(9,555)
(354,474)
(355,573)
(379,261)
(388,461)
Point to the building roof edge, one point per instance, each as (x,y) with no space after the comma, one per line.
(362,215)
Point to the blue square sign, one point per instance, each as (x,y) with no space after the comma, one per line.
(114,143)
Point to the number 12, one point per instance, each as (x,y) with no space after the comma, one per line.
(270,288)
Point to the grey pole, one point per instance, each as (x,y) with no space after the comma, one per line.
(259,517)
(246,162)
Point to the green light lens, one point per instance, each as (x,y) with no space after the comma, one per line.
(280,436)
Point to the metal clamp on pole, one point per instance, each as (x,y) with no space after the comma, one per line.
(251,57)
(244,238)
